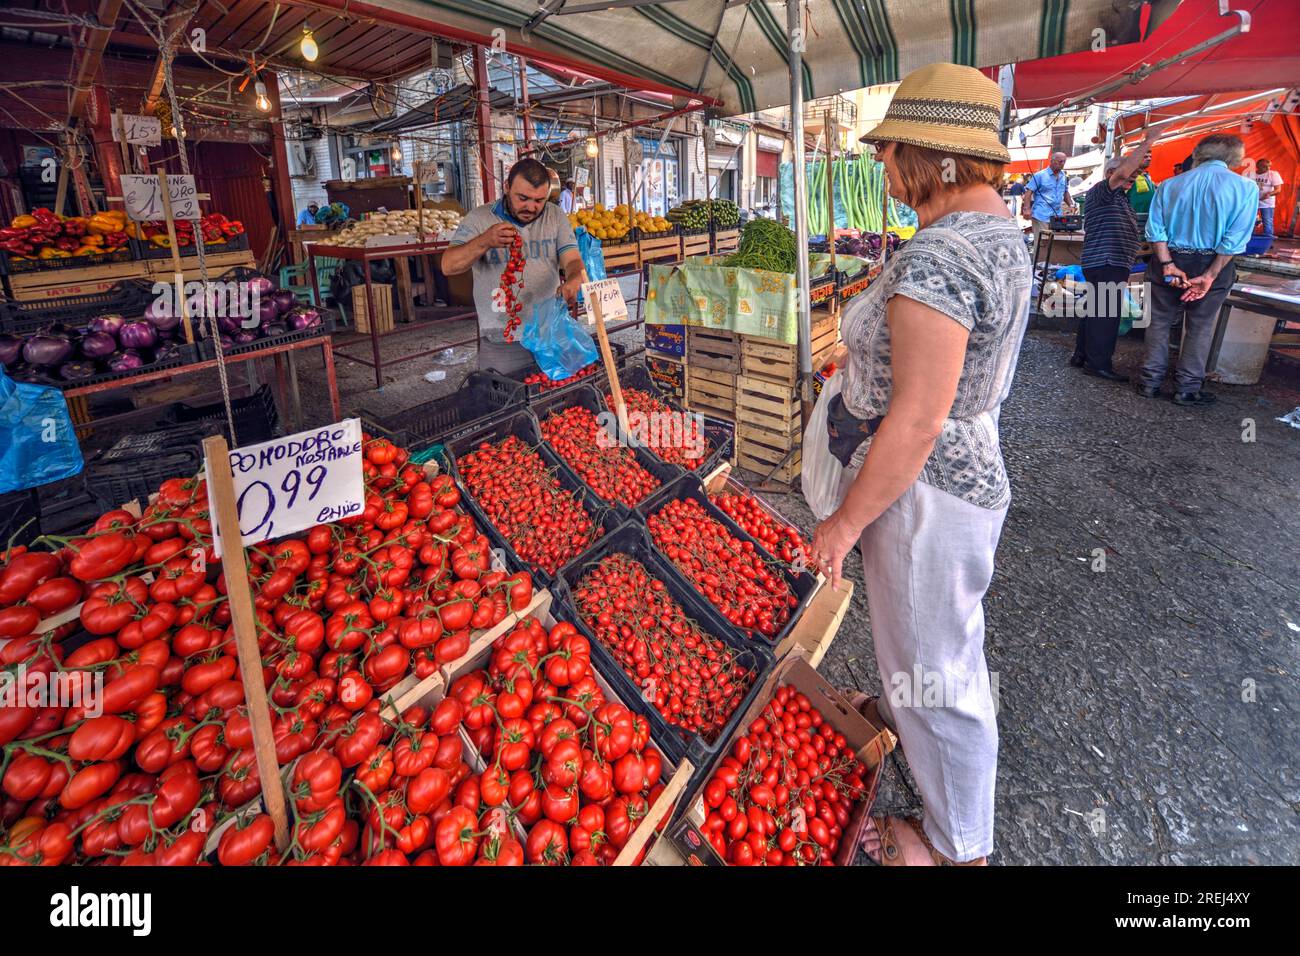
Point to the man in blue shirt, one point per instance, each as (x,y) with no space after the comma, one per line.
(308,216)
(1045,194)
(1199,221)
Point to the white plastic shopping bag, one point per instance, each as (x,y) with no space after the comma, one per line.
(821,471)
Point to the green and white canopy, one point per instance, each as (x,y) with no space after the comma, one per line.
(735,52)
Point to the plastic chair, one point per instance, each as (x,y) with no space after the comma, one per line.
(297,279)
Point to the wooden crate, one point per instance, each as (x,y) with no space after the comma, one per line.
(726,241)
(768,427)
(383,308)
(761,459)
(625,256)
(218,262)
(696,245)
(711,392)
(660,248)
(778,362)
(717,349)
(57,283)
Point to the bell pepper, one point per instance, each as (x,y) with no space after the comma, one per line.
(102,223)
(161,240)
(75,226)
(45,216)
(23,222)
(91,239)
(51,252)
(88,251)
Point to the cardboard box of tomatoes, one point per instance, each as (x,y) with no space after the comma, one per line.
(867,744)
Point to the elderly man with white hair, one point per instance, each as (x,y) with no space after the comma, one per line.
(1046,193)
(1199,221)
(1111,238)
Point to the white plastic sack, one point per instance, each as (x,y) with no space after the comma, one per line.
(821,471)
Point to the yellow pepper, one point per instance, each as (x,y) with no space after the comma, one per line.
(91,239)
(49,252)
(89,251)
(22,222)
(161,241)
(102,223)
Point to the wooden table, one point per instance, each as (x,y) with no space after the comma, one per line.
(285,368)
(399,254)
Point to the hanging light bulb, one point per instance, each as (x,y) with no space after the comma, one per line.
(263,103)
(308,46)
(397,153)
(592,149)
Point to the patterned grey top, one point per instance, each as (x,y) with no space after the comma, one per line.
(974,268)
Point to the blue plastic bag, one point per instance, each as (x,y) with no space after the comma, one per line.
(593,258)
(559,342)
(38,444)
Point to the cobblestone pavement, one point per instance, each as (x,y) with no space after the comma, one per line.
(1161,691)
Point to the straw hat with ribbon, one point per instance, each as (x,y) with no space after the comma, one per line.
(943,106)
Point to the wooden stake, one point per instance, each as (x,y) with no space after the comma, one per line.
(61,191)
(221,485)
(121,141)
(179,278)
(607,356)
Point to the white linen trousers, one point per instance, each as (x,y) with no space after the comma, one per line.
(927,562)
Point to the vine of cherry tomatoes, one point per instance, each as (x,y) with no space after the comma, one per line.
(786,791)
(511,276)
(543,521)
(693,679)
(781,540)
(680,448)
(612,472)
(727,570)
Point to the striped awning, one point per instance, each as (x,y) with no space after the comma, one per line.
(735,53)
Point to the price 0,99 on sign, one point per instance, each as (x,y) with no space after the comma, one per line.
(292,483)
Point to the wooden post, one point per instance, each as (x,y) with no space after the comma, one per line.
(221,485)
(61,191)
(607,356)
(830,190)
(120,128)
(179,273)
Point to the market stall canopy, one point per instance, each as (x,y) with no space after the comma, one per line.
(734,54)
(1265,120)
(1269,52)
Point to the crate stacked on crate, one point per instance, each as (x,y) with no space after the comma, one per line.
(712,363)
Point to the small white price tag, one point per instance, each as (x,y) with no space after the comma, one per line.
(291,483)
(141,130)
(610,296)
(143,197)
(427,172)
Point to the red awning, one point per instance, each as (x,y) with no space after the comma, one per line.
(1268,54)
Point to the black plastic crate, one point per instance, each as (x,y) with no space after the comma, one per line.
(14,265)
(138,463)
(144,249)
(802,585)
(532,392)
(590,399)
(208,348)
(128,297)
(256,418)
(523,425)
(184,355)
(720,436)
(479,399)
(633,540)
(20,518)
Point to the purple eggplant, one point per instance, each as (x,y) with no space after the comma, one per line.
(303,317)
(267,310)
(11,349)
(73,371)
(244,337)
(110,322)
(138,335)
(97,345)
(229,324)
(127,361)
(161,317)
(261,286)
(46,351)
(284,300)
(272,329)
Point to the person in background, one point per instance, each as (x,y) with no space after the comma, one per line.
(1269,181)
(552,264)
(1111,238)
(1014,192)
(1199,221)
(1046,194)
(566,197)
(1141,192)
(932,347)
(308,216)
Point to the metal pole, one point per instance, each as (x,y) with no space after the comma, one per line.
(800,210)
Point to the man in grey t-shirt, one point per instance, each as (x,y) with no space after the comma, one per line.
(552,263)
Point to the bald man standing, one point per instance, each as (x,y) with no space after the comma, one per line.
(1047,191)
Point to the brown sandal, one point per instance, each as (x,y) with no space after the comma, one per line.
(891,853)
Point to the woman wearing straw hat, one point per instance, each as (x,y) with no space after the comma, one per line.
(932,348)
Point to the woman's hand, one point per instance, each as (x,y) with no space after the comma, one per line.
(832,541)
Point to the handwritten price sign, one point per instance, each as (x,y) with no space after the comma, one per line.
(291,483)
(144,202)
(607,293)
(143,130)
